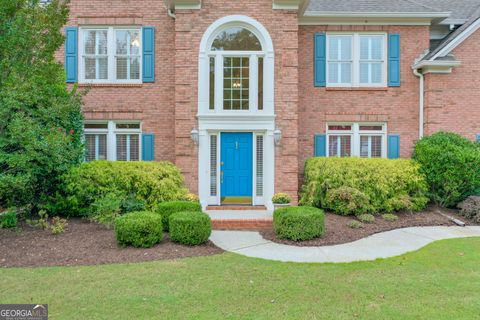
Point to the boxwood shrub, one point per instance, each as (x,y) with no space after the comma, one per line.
(139,229)
(451,164)
(166,209)
(8,219)
(299,223)
(354,186)
(148,183)
(190,228)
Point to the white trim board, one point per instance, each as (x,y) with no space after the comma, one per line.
(458,40)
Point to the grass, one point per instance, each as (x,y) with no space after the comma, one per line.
(437,282)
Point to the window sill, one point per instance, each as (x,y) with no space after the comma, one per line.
(110,85)
(356,88)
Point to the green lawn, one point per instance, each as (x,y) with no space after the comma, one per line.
(441,281)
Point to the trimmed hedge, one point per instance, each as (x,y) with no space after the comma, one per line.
(190,228)
(146,182)
(354,186)
(451,164)
(166,209)
(139,229)
(299,223)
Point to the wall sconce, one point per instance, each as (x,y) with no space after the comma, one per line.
(277,136)
(195,136)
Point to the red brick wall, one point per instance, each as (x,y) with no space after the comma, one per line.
(452,101)
(152,103)
(396,106)
(283,28)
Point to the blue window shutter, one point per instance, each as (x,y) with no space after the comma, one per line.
(71,54)
(320,60)
(393,146)
(148,147)
(320,145)
(478,137)
(148,63)
(394,60)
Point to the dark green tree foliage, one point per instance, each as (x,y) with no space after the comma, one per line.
(40,118)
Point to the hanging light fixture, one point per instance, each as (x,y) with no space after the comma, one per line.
(277,136)
(195,136)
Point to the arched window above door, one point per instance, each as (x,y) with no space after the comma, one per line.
(236,39)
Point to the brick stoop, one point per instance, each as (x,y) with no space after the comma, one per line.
(242,224)
(236,207)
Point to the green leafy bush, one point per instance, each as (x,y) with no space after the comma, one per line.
(281,198)
(8,219)
(299,223)
(191,197)
(41,123)
(451,164)
(106,209)
(354,224)
(389,217)
(148,182)
(366,218)
(139,229)
(166,209)
(470,208)
(58,225)
(190,228)
(354,186)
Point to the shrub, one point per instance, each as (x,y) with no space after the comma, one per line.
(389,217)
(139,229)
(149,182)
(8,219)
(166,209)
(451,165)
(356,186)
(281,198)
(470,208)
(132,204)
(354,224)
(106,209)
(299,223)
(366,218)
(190,228)
(58,225)
(191,197)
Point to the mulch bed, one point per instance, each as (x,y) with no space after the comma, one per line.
(84,243)
(337,231)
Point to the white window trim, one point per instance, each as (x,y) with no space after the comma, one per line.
(355,133)
(356,60)
(111,53)
(112,132)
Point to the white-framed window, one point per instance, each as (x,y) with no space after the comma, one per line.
(110,55)
(113,140)
(236,71)
(366,140)
(356,59)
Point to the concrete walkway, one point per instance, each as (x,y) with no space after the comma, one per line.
(380,245)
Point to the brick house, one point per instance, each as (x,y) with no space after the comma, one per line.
(238,94)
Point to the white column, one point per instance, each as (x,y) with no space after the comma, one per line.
(203,168)
(111,142)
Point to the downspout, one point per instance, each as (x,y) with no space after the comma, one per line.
(171,14)
(421,101)
(168,5)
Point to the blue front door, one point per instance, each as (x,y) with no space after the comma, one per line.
(236,167)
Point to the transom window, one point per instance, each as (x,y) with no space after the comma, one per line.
(110,55)
(356,60)
(112,140)
(236,71)
(360,140)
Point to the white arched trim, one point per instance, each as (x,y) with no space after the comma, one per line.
(214,122)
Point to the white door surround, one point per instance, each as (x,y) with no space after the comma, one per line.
(216,120)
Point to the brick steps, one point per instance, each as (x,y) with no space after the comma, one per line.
(242,224)
(236,207)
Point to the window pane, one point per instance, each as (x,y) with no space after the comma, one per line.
(260,84)
(236,38)
(339,146)
(121,41)
(212,84)
(96,125)
(102,147)
(90,68)
(339,48)
(134,42)
(333,72)
(333,146)
(128,125)
(90,42)
(135,68)
(346,73)
(134,147)
(340,127)
(371,47)
(371,128)
(103,68)
(370,146)
(236,83)
(370,73)
(90,147)
(345,146)
(364,146)
(376,73)
(121,147)
(102,42)
(376,146)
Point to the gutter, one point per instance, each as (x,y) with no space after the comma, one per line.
(421,101)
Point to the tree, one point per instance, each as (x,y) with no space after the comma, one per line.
(40,118)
